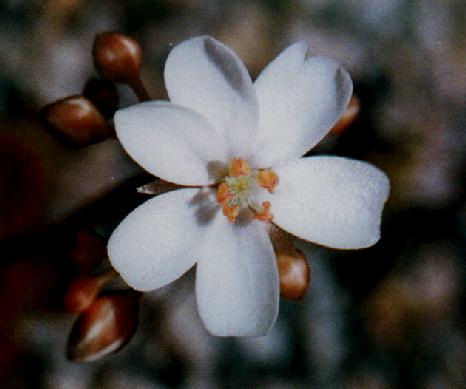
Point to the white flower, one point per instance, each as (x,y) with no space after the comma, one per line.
(218,118)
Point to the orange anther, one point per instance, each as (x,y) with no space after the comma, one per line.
(231,212)
(265,214)
(267,179)
(239,167)
(223,193)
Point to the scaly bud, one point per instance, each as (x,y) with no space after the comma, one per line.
(294,273)
(104,94)
(76,121)
(348,117)
(83,290)
(117,57)
(105,327)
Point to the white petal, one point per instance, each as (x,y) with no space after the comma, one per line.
(208,77)
(300,98)
(171,142)
(237,280)
(156,243)
(336,202)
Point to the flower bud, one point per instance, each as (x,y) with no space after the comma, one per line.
(83,290)
(76,121)
(103,94)
(117,57)
(294,273)
(348,117)
(87,251)
(105,327)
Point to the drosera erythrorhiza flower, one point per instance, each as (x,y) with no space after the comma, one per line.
(236,145)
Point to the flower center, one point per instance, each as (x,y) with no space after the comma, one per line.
(239,190)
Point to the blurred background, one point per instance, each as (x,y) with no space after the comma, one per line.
(391,316)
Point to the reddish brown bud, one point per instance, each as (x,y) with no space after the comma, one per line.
(103,94)
(83,290)
(294,272)
(87,251)
(348,117)
(117,57)
(76,121)
(105,327)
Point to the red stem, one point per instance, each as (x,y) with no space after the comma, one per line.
(138,88)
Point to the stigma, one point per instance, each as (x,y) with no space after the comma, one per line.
(239,190)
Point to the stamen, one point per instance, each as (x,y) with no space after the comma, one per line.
(265,214)
(239,167)
(267,179)
(223,193)
(231,212)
